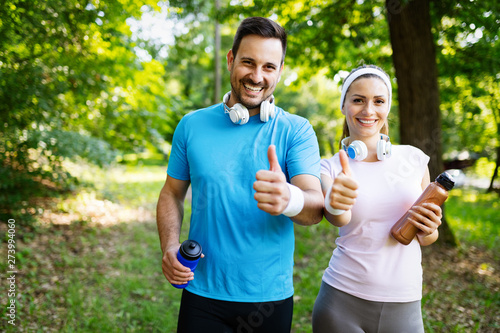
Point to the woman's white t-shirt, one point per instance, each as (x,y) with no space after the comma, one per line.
(367,262)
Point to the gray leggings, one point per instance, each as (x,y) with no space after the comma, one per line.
(336,311)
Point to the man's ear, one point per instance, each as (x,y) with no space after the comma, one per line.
(230,59)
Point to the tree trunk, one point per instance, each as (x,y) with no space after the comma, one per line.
(414,60)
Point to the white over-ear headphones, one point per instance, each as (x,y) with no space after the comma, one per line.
(239,113)
(357,149)
(384,147)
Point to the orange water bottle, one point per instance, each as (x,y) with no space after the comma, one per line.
(437,192)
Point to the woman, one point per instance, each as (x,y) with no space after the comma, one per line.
(373,283)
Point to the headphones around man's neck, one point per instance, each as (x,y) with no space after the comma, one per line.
(357,149)
(239,113)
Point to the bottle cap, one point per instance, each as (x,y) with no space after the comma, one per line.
(446,180)
(190,249)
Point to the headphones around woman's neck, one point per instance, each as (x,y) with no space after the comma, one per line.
(358,151)
(239,113)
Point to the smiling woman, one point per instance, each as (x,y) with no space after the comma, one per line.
(366,110)
(364,196)
(366,103)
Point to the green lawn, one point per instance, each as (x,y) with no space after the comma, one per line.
(101,273)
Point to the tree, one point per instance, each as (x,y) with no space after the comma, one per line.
(70,87)
(469,62)
(414,58)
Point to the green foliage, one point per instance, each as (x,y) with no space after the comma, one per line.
(71,87)
(190,63)
(482,168)
(32,165)
(327,35)
(470,116)
(317,101)
(468,53)
(473,215)
(467,31)
(71,67)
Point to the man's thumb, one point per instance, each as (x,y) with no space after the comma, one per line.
(274,165)
(344,162)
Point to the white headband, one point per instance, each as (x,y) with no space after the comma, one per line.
(357,74)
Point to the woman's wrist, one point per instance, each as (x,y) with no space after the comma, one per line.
(329,208)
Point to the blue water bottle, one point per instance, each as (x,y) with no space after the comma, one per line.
(189,254)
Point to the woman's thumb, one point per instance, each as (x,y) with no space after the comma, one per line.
(344,163)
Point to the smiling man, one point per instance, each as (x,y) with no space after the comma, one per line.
(254,171)
(254,74)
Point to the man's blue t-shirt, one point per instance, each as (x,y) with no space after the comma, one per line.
(248,252)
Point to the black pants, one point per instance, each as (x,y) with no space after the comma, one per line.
(201,314)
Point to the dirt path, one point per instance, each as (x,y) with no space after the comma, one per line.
(462,289)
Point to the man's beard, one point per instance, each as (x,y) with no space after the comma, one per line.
(239,98)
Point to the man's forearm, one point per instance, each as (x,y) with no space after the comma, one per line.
(169,215)
(312,213)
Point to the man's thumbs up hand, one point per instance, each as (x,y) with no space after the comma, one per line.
(272,193)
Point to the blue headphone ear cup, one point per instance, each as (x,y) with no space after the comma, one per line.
(239,114)
(357,150)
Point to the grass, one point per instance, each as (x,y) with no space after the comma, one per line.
(475,218)
(95,264)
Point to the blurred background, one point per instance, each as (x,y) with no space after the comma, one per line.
(91,92)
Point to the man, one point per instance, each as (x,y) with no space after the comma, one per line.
(254,169)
